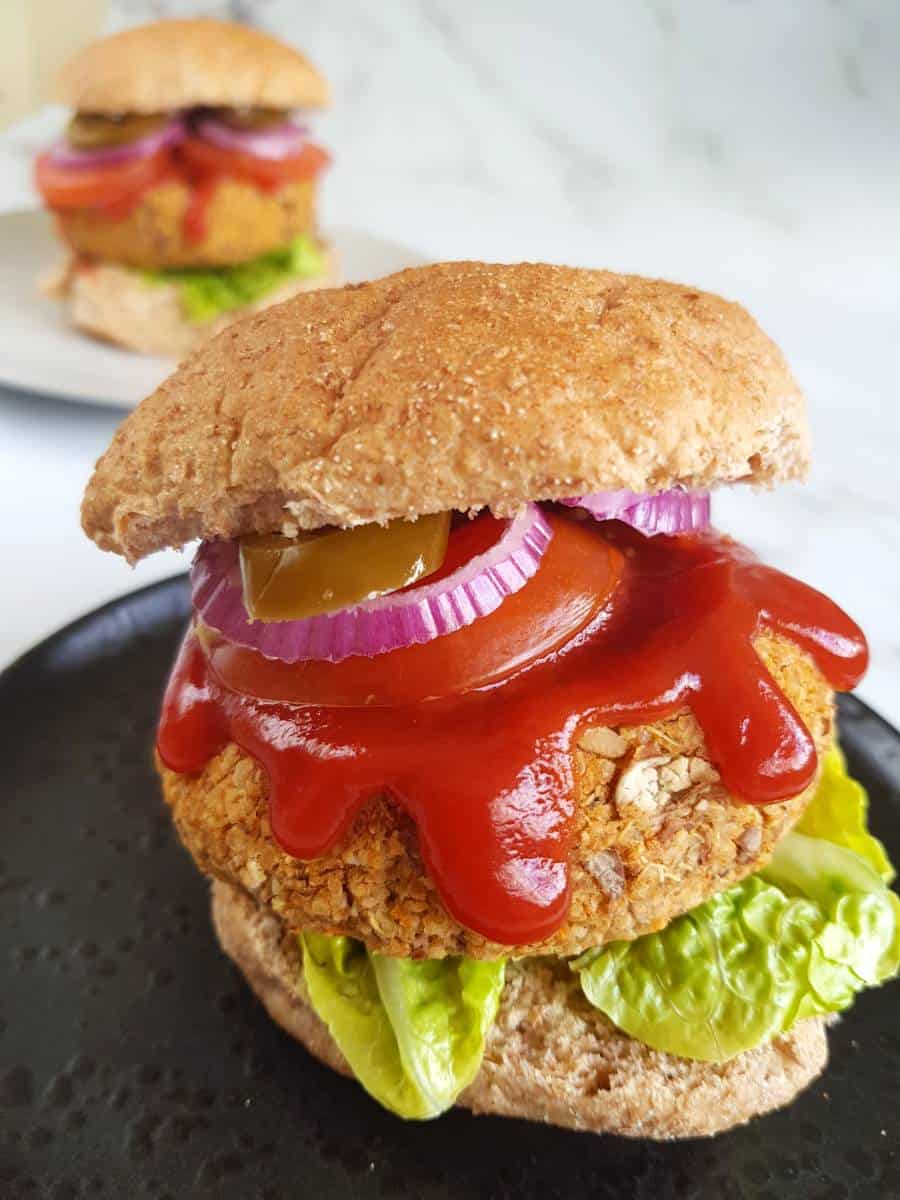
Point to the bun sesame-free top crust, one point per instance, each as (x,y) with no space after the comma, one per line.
(452,386)
(180,64)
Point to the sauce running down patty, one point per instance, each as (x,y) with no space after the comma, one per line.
(486,774)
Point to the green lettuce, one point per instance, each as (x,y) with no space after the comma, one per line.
(838,813)
(412,1030)
(799,939)
(206,293)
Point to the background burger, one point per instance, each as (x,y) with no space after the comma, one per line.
(184,185)
(516,780)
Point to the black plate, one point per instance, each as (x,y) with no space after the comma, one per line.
(134,1062)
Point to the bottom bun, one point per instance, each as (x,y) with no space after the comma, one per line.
(113,303)
(549,1056)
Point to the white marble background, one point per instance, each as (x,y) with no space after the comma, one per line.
(746,145)
(599,112)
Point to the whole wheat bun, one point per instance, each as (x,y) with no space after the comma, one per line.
(550,1056)
(180,64)
(452,386)
(115,304)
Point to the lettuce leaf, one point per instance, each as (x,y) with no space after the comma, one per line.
(838,813)
(859,945)
(206,293)
(412,1030)
(801,938)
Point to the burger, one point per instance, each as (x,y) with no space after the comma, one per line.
(184,186)
(516,780)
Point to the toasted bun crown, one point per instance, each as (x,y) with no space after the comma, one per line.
(453,386)
(179,64)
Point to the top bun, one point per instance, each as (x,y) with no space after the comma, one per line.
(180,64)
(453,386)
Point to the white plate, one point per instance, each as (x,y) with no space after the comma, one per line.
(41,352)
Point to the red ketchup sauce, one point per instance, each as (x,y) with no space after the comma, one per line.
(195,222)
(487,775)
(204,181)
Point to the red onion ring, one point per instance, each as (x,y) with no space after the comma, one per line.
(65,155)
(377,626)
(675,511)
(278,142)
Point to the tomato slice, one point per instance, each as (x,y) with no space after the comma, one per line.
(207,158)
(98,186)
(578,574)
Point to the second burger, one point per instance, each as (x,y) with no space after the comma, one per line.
(184,185)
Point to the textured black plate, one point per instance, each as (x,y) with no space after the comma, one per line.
(134,1062)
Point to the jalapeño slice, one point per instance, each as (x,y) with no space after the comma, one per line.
(101,131)
(286,579)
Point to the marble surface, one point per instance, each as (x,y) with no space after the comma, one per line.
(746,147)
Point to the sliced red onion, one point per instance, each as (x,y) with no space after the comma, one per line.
(377,626)
(65,155)
(277,142)
(675,511)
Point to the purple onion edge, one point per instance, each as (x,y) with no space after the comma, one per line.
(477,589)
(677,510)
(291,137)
(68,157)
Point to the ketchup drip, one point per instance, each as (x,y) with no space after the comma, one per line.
(204,183)
(195,221)
(487,776)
